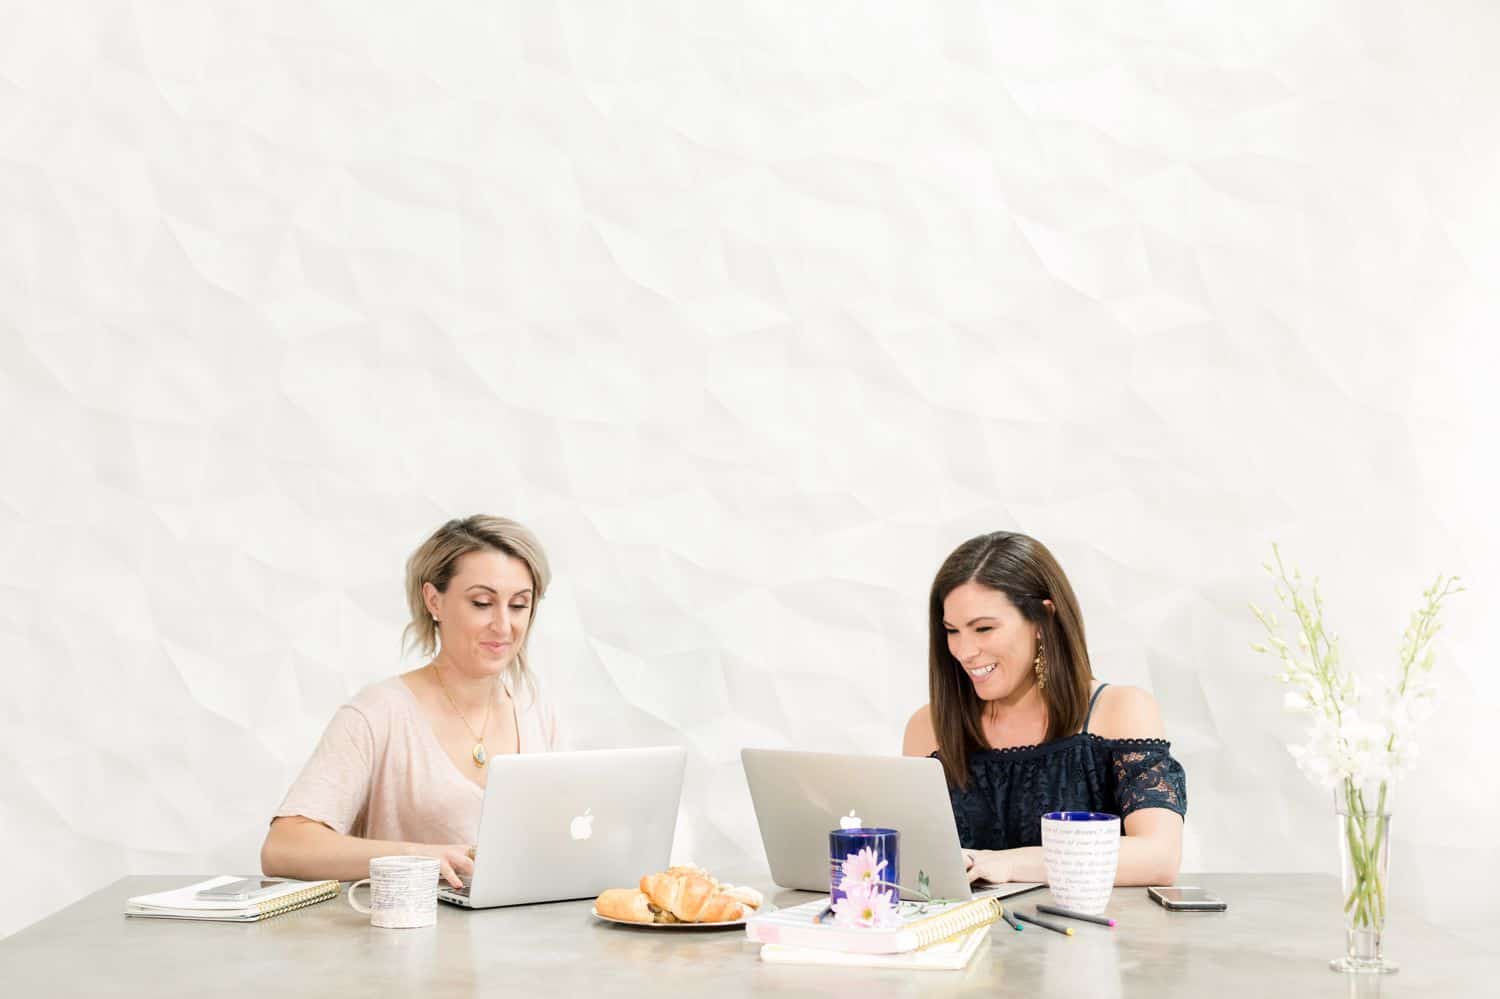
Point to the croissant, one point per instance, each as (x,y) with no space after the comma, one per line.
(625,903)
(744,894)
(684,869)
(692,897)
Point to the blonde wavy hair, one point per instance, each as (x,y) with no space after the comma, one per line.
(436,560)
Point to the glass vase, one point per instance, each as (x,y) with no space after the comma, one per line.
(1364,827)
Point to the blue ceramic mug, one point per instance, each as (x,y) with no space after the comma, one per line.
(863,854)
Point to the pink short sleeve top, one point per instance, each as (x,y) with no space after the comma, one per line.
(379,773)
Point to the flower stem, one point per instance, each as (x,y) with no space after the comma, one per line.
(1364,836)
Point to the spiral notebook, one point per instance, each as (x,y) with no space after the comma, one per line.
(947,955)
(184,903)
(921,926)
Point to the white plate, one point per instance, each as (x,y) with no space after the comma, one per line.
(675,926)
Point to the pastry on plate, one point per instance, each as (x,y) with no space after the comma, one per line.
(680,894)
(628,904)
(692,897)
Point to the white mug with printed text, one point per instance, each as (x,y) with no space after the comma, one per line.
(403,892)
(1081,851)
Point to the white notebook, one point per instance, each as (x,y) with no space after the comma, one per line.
(949,955)
(183,903)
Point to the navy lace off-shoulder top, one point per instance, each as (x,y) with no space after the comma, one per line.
(1010,789)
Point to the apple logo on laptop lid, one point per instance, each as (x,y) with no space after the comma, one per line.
(582,826)
(850,821)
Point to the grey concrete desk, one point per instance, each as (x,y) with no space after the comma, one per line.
(1274,941)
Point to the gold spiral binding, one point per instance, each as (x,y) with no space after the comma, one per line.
(955,922)
(310,895)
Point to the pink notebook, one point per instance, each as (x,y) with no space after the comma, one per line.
(794,927)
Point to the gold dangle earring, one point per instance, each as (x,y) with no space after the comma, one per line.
(1039,664)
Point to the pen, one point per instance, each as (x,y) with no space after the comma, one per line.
(827,911)
(1005,914)
(1070,914)
(1045,924)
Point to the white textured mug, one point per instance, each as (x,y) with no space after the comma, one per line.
(1081,851)
(403,892)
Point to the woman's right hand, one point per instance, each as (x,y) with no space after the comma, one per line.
(457,860)
(987,865)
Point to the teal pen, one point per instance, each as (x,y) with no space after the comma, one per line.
(1015,924)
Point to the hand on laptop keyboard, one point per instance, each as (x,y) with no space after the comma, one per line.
(457,861)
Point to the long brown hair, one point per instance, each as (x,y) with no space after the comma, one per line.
(1024,570)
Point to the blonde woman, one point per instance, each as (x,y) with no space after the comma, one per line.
(401,768)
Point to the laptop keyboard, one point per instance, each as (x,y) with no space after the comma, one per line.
(984,889)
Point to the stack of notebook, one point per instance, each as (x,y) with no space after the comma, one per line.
(184,903)
(941,936)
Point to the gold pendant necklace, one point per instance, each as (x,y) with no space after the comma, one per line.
(480,756)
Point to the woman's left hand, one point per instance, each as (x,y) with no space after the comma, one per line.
(987,865)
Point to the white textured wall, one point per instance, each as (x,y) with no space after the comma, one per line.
(753,316)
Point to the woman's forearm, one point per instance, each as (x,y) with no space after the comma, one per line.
(301,848)
(1151,849)
(1024,864)
(1144,860)
(1147,860)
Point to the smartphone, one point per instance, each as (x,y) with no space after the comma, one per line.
(1186,899)
(243,890)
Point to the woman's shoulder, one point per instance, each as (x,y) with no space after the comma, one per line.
(1123,712)
(380,702)
(920,738)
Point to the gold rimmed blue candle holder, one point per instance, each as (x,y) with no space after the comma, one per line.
(847,851)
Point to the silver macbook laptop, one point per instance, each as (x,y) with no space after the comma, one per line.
(558,826)
(800,797)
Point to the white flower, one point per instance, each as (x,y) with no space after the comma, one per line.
(1350,736)
(1297,701)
